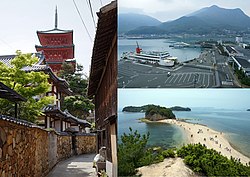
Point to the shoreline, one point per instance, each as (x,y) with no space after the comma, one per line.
(197,133)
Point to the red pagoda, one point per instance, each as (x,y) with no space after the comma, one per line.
(57,46)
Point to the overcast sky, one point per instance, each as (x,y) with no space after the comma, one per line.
(20,19)
(217,98)
(165,10)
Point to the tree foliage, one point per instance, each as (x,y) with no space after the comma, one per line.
(134,153)
(28,84)
(130,152)
(163,111)
(210,162)
(78,104)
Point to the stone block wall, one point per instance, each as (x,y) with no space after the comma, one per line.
(20,150)
(33,152)
(41,151)
(85,143)
(64,147)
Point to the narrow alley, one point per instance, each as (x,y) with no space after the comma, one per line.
(77,166)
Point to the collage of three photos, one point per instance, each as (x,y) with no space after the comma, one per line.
(113,88)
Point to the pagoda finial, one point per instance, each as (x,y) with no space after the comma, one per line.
(56,18)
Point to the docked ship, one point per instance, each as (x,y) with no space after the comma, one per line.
(151,57)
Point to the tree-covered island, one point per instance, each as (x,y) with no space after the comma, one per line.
(155,113)
(145,107)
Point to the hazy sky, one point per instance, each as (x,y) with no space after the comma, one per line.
(21,19)
(217,98)
(165,10)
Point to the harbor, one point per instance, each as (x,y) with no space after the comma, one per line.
(205,68)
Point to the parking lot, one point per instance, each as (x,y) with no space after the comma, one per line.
(131,75)
(208,71)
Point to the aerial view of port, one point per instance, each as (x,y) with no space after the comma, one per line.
(206,48)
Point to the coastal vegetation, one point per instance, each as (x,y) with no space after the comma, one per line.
(134,153)
(155,113)
(135,108)
(179,108)
(210,162)
(145,107)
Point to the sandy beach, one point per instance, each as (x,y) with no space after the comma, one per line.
(171,167)
(197,133)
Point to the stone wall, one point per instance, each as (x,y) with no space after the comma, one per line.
(85,144)
(64,147)
(33,152)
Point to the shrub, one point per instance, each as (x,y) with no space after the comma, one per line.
(168,153)
(210,162)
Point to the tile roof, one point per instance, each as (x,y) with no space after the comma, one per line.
(6,59)
(18,121)
(55,31)
(80,121)
(55,46)
(53,109)
(9,94)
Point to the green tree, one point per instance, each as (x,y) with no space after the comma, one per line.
(67,71)
(131,149)
(30,85)
(163,111)
(210,162)
(79,104)
(134,153)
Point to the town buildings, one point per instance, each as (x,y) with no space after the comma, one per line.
(53,117)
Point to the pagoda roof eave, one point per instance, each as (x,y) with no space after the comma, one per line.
(55,31)
(51,47)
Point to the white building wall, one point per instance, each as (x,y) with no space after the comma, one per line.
(58,125)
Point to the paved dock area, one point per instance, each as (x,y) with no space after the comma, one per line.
(210,70)
(77,166)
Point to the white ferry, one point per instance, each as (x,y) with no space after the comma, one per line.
(152,57)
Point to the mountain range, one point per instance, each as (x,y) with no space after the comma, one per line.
(130,21)
(211,19)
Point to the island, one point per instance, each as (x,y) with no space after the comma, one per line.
(156,113)
(135,108)
(179,108)
(145,107)
(248,109)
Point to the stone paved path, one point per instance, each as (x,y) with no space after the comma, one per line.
(77,166)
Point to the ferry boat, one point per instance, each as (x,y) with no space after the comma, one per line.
(151,57)
(180,45)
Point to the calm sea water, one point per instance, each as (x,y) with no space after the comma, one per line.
(183,54)
(164,135)
(235,123)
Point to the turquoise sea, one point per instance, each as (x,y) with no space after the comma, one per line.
(235,123)
(164,135)
(183,54)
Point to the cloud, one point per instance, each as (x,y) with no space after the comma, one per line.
(171,9)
